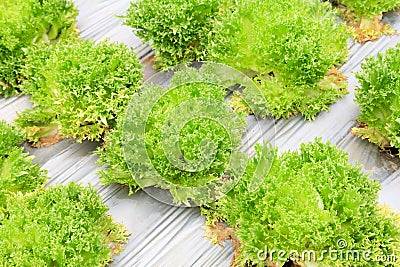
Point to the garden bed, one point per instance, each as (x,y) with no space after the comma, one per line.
(164,235)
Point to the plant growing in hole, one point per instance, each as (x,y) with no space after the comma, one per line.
(200,163)
(364,18)
(78,89)
(25,23)
(378,96)
(290,48)
(310,199)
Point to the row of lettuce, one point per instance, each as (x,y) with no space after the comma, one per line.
(80,89)
(309,200)
(289,48)
(56,225)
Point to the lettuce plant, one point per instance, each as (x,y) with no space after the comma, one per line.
(56,226)
(78,89)
(364,17)
(309,201)
(378,96)
(17,172)
(59,226)
(290,47)
(177,30)
(185,167)
(24,23)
